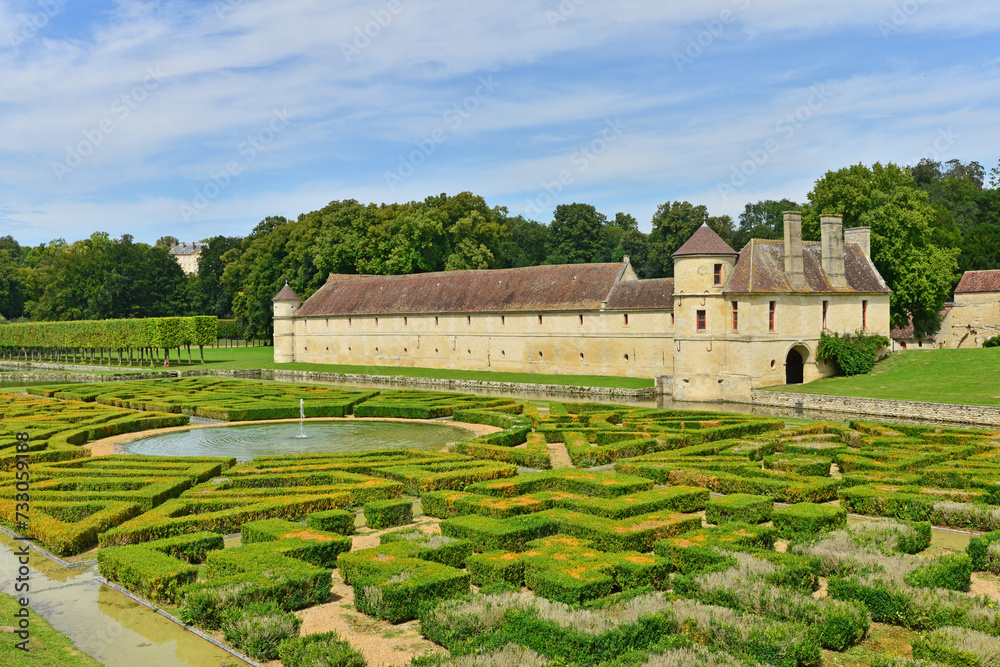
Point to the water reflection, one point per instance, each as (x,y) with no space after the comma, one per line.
(246,442)
(109,626)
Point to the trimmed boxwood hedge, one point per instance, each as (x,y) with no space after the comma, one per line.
(146,572)
(381,514)
(804,519)
(740,507)
(334,521)
(322,649)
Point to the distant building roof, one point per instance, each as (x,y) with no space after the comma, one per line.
(286,294)
(187,248)
(705,242)
(979,281)
(535,288)
(906,333)
(761,268)
(655,294)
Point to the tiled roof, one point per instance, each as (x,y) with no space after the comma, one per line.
(643,295)
(979,281)
(188,248)
(761,268)
(537,288)
(705,242)
(286,294)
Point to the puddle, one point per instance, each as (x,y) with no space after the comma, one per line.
(110,627)
(942,538)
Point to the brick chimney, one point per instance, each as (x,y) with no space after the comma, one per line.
(832,231)
(793,249)
(861,236)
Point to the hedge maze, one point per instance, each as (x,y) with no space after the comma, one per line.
(679,538)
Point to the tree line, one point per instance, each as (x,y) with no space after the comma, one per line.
(929,223)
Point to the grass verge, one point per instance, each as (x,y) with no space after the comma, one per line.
(970,377)
(47,646)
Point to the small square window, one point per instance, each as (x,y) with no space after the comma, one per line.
(626,318)
(435,320)
(581,320)
(468,320)
(539,319)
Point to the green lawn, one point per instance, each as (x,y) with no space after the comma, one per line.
(47,646)
(940,376)
(241,358)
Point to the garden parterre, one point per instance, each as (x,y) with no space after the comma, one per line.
(572,565)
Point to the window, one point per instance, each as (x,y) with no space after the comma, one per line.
(406,321)
(626,318)
(903,344)
(736,315)
(701,320)
(435,320)
(581,320)
(671,318)
(864,314)
(825,303)
(503,320)
(350,322)
(539,319)
(770,315)
(468,320)
(376,321)
(920,343)
(717,280)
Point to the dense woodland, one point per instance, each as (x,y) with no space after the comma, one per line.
(929,223)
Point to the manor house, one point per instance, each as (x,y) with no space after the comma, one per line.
(727,322)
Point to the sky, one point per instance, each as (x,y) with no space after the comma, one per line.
(200,118)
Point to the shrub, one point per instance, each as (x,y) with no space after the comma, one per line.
(809,519)
(388,513)
(985,552)
(951,571)
(146,572)
(958,647)
(992,342)
(324,649)
(854,354)
(259,628)
(437,548)
(334,521)
(739,507)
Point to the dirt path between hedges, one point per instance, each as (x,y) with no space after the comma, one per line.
(116,443)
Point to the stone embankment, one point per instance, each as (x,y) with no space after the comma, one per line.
(46,372)
(980,415)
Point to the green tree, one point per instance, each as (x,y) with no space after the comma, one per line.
(885,198)
(576,233)
(762,220)
(673,225)
(524,243)
(209,295)
(168,241)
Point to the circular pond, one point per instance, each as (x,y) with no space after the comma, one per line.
(246,442)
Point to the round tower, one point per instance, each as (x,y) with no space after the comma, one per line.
(286,305)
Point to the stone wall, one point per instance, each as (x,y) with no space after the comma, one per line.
(31,371)
(979,415)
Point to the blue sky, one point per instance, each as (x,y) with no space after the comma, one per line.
(201,118)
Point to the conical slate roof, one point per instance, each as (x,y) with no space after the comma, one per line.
(705,242)
(286,294)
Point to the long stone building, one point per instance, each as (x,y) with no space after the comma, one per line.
(725,323)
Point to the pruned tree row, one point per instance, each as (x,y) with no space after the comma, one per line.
(90,340)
